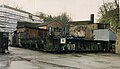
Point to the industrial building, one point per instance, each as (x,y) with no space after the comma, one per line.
(9,17)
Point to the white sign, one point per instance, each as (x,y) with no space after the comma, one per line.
(63,40)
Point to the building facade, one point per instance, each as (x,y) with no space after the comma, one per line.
(9,17)
(82,29)
(55,28)
(85,29)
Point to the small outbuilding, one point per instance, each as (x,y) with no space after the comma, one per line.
(55,28)
(107,37)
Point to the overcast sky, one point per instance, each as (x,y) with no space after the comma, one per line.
(77,9)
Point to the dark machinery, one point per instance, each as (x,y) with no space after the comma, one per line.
(53,40)
(3,42)
(28,37)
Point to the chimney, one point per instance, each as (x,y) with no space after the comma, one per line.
(92,18)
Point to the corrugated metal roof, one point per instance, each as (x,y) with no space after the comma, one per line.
(80,22)
(5,6)
(46,23)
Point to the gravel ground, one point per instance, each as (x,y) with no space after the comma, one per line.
(28,59)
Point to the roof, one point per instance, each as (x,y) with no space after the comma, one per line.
(5,6)
(43,24)
(26,24)
(80,22)
(33,28)
(46,23)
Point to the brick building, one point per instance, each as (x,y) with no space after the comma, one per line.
(55,28)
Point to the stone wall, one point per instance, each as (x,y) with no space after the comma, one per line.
(85,31)
(118,41)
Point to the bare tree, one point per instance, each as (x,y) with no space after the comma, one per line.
(41,15)
(17,6)
(109,13)
(63,18)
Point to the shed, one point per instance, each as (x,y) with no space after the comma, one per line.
(104,35)
(55,28)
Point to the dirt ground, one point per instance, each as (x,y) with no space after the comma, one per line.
(28,59)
